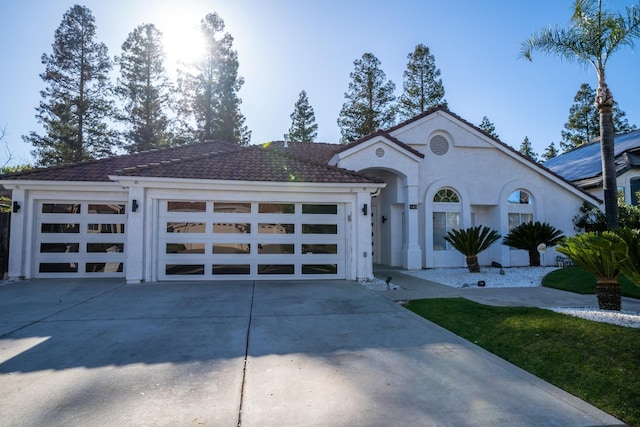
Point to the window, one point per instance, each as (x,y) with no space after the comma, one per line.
(446,195)
(635,190)
(446,217)
(182,206)
(520,197)
(520,208)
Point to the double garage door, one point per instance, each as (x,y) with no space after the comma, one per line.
(208,240)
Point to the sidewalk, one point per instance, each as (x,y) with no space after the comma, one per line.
(415,288)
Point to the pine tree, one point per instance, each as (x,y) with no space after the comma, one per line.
(210,106)
(527,150)
(583,124)
(76,101)
(550,152)
(369,102)
(303,121)
(144,89)
(487,126)
(422,87)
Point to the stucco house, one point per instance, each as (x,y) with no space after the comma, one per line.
(215,210)
(583,166)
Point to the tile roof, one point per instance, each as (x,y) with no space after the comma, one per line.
(216,160)
(253,163)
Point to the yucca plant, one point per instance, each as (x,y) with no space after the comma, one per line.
(601,255)
(471,241)
(630,258)
(529,235)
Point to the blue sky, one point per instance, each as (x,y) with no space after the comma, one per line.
(285,46)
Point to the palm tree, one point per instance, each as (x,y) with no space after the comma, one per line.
(529,235)
(471,241)
(591,38)
(600,255)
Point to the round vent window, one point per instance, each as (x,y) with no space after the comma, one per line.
(380,152)
(439,145)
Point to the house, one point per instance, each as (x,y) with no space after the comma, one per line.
(583,166)
(215,210)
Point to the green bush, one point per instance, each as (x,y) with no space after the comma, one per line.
(471,241)
(529,235)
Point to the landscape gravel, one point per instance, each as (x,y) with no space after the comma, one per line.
(510,278)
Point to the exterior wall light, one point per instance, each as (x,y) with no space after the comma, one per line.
(16,206)
(134,205)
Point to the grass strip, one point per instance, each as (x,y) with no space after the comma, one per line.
(575,279)
(597,362)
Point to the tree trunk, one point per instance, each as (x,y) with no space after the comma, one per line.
(608,292)
(534,258)
(472,264)
(604,104)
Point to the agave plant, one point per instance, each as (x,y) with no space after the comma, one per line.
(529,235)
(601,255)
(471,241)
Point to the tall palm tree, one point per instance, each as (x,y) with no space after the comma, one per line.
(593,35)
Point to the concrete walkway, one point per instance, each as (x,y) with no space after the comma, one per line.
(326,353)
(415,288)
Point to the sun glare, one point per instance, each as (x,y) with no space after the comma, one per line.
(181,37)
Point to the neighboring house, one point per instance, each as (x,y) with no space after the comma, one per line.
(215,210)
(583,166)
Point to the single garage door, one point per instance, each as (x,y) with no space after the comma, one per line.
(80,239)
(208,240)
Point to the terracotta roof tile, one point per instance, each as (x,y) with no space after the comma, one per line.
(300,162)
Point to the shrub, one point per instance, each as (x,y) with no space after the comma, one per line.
(529,235)
(471,241)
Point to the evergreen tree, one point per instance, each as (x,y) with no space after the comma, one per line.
(210,106)
(422,87)
(303,121)
(527,150)
(487,126)
(550,152)
(77,100)
(584,120)
(144,89)
(369,102)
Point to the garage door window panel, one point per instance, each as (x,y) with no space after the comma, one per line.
(104,267)
(280,269)
(61,208)
(185,248)
(313,248)
(232,207)
(276,248)
(105,228)
(182,206)
(186,227)
(59,248)
(319,229)
(232,228)
(184,269)
(319,269)
(319,209)
(110,248)
(105,209)
(264,228)
(60,228)
(58,267)
(232,269)
(231,248)
(276,208)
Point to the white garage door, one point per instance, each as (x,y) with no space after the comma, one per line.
(80,239)
(211,240)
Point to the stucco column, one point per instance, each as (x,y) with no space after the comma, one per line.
(135,236)
(362,243)
(411,251)
(17,238)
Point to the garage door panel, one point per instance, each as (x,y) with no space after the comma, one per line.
(250,240)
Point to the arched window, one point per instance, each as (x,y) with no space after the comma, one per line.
(446,216)
(520,208)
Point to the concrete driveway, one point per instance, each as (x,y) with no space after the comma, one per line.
(327,353)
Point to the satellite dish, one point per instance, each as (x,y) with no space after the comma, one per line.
(542,248)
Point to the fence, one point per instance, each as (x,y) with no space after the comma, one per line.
(5,225)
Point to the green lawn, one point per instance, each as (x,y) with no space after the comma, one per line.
(575,279)
(598,362)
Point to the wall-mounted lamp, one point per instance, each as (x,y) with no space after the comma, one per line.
(134,205)
(16,206)
(364,209)
(384,219)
